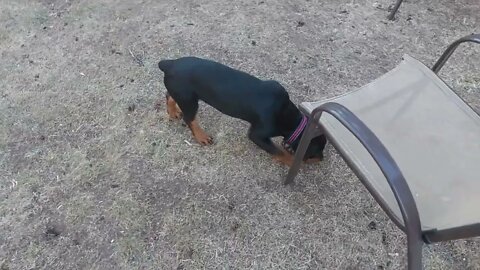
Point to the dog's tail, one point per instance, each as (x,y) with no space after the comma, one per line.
(165,65)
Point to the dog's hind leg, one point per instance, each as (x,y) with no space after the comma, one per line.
(173,110)
(189,108)
(181,94)
(199,134)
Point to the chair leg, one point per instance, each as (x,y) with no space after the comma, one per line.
(391,16)
(414,253)
(475,38)
(307,136)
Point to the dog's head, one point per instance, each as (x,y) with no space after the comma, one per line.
(315,149)
(289,114)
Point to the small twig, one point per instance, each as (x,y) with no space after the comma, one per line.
(187,142)
(137,59)
(131,53)
(14,183)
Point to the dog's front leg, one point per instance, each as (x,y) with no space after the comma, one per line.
(266,144)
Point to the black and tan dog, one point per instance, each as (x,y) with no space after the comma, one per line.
(264,104)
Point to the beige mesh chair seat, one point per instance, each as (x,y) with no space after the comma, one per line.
(415,145)
(430,132)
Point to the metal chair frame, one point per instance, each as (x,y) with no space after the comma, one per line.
(391,16)
(411,221)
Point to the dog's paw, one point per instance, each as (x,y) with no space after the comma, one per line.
(204,139)
(175,115)
(284,158)
(174,112)
(313,160)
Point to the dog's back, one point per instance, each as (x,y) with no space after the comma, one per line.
(230,91)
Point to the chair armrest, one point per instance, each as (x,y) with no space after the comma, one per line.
(384,160)
(475,38)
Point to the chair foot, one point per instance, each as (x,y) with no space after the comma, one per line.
(391,16)
(307,136)
(414,254)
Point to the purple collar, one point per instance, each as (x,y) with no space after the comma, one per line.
(297,131)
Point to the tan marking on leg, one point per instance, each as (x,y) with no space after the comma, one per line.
(173,110)
(199,134)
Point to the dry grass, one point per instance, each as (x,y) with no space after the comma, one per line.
(87,183)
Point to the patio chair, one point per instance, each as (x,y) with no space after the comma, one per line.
(391,16)
(414,144)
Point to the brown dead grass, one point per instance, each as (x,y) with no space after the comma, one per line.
(92,177)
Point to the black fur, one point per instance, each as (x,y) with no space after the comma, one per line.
(264,104)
